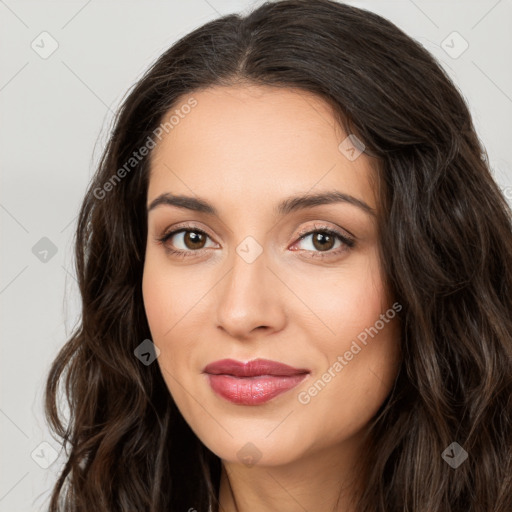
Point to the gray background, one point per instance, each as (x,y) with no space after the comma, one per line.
(55,116)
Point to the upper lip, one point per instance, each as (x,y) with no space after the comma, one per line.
(252,368)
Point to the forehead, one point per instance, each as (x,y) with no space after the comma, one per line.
(256,143)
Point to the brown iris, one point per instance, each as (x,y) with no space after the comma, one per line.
(194,240)
(323,241)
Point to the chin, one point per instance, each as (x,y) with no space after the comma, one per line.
(255,448)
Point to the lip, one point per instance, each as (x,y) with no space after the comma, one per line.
(254,368)
(254,382)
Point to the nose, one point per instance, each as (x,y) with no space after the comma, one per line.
(250,298)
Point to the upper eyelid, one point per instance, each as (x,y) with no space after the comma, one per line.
(320,226)
(179,229)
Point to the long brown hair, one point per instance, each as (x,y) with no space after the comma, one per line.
(445,244)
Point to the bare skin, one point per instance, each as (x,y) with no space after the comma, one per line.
(244,150)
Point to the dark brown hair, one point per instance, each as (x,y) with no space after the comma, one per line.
(445,240)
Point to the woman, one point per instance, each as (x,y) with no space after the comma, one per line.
(296,274)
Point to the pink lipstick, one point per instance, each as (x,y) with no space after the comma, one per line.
(254,382)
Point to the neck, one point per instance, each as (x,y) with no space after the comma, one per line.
(323,481)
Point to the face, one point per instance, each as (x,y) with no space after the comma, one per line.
(257,275)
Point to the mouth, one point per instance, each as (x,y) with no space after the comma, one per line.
(254,382)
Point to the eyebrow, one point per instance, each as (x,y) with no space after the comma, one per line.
(288,205)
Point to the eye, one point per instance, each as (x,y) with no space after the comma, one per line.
(323,240)
(192,238)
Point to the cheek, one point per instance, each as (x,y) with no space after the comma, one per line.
(163,311)
(348,390)
(174,309)
(344,304)
(166,295)
(358,345)
(157,303)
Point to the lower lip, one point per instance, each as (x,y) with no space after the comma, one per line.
(253,390)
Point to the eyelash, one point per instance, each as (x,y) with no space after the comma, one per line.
(349,242)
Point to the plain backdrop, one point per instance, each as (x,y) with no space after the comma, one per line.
(55,114)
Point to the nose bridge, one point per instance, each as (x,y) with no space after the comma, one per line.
(247,298)
(249,255)
(248,277)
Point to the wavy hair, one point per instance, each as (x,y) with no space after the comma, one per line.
(445,243)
